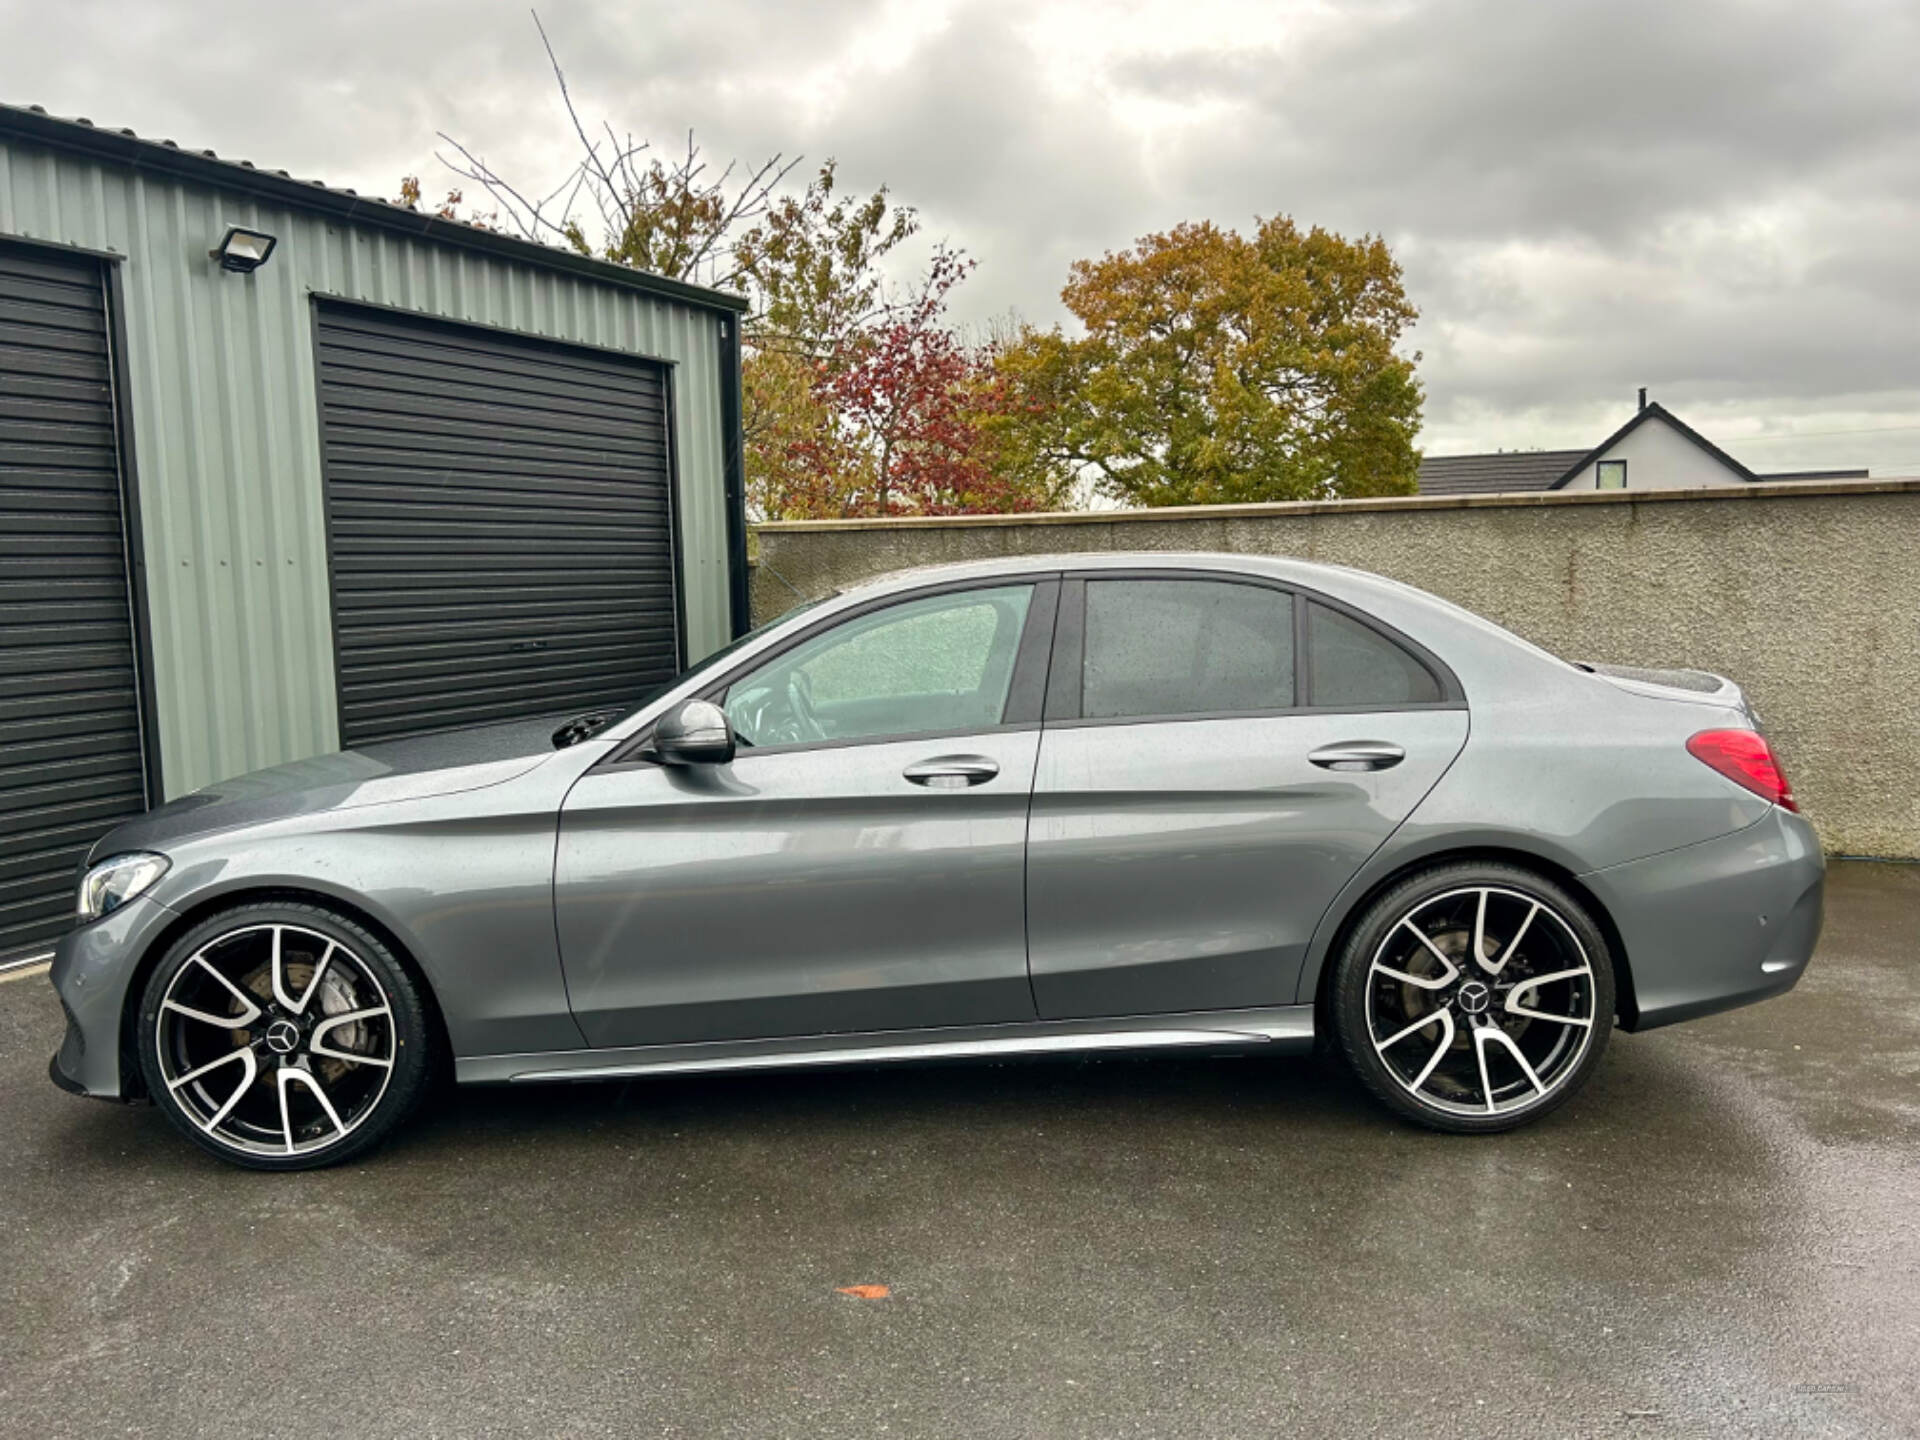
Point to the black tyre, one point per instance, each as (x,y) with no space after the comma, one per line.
(1474,997)
(283,1037)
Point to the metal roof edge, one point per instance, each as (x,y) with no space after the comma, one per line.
(123,147)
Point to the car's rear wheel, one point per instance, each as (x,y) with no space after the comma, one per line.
(1474,997)
(283,1037)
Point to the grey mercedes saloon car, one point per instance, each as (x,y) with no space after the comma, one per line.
(1027,806)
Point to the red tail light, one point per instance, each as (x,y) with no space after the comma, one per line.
(1744,757)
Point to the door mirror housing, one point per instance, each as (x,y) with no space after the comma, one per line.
(694,732)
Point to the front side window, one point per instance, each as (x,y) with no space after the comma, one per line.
(1185,647)
(1354,665)
(944,662)
(1610,475)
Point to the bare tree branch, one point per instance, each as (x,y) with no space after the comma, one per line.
(592,155)
(524,213)
(677,217)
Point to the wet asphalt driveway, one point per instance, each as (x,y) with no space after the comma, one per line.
(1720,1237)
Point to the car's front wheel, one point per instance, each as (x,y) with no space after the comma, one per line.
(1474,997)
(283,1036)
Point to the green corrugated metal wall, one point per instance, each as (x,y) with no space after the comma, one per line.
(226,431)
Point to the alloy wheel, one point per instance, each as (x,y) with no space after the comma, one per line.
(276,1040)
(1481,1001)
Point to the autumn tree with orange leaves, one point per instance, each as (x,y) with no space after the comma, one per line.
(1217,368)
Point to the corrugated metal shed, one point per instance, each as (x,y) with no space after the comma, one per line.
(225,423)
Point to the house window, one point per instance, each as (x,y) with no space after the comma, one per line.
(1610,475)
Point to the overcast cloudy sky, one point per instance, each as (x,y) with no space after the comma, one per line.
(1718,200)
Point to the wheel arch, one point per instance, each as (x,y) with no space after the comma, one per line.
(1337,927)
(134,1087)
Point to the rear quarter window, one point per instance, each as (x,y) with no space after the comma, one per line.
(1352,664)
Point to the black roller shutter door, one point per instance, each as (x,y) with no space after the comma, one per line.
(70,743)
(500,520)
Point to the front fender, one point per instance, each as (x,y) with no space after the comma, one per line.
(462,883)
(93,970)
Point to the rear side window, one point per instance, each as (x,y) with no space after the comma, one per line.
(1354,664)
(1185,647)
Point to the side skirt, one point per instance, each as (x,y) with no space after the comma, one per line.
(1281,1030)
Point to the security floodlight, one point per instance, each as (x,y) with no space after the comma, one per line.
(243,251)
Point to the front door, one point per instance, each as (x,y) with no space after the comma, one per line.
(1202,796)
(858,866)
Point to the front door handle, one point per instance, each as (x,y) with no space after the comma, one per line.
(1358,755)
(952,772)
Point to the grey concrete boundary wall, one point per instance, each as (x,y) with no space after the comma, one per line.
(1808,594)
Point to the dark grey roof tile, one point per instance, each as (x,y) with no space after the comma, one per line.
(1505,472)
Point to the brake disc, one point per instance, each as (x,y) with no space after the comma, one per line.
(335,998)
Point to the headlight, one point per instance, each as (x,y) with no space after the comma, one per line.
(111,883)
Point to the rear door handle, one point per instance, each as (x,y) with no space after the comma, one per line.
(952,772)
(1358,755)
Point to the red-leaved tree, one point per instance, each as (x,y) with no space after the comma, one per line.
(904,400)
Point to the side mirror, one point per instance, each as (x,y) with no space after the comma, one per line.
(694,732)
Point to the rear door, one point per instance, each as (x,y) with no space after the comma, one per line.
(1220,756)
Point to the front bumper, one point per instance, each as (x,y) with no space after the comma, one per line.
(59,1076)
(1719,924)
(92,969)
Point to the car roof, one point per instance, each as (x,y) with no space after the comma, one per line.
(1274,566)
(1459,636)
(1480,654)
(1357,587)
